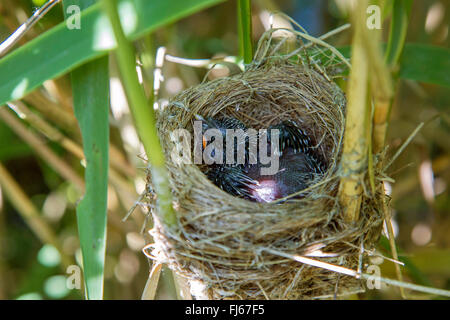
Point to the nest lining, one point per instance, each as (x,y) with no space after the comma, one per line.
(224,245)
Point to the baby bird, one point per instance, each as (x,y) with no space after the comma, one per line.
(229,177)
(222,125)
(298,164)
(296,171)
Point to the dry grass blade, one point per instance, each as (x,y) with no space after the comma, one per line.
(40,147)
(30,213)
(6,45)
(152,282)
(369,277)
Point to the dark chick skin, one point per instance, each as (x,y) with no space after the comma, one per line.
(291,136)
(232,180)
(229,177)
(298,165)
(222,125)
(296,171)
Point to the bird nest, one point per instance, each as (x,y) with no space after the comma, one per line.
(226,247)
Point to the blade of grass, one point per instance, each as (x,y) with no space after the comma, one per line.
(51,110)
(383,105)
(384,100)
(90,87)
(39,146)
(143,115)
(45,128)
(60,49)
(126,189)
(68,122)
(425,63)
(356,274)
(245,30)
(151,285)
(397,32)
(91,101)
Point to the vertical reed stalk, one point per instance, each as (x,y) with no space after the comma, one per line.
(245,30)
(354,155)
(396,42)
(143,115)
(384,101)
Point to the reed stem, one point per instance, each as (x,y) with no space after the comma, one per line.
(354,157)
(143,115)
(245,30)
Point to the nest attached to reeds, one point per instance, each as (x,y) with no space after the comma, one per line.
(230,248)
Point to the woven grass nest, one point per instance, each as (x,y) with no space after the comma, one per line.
(230,248)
